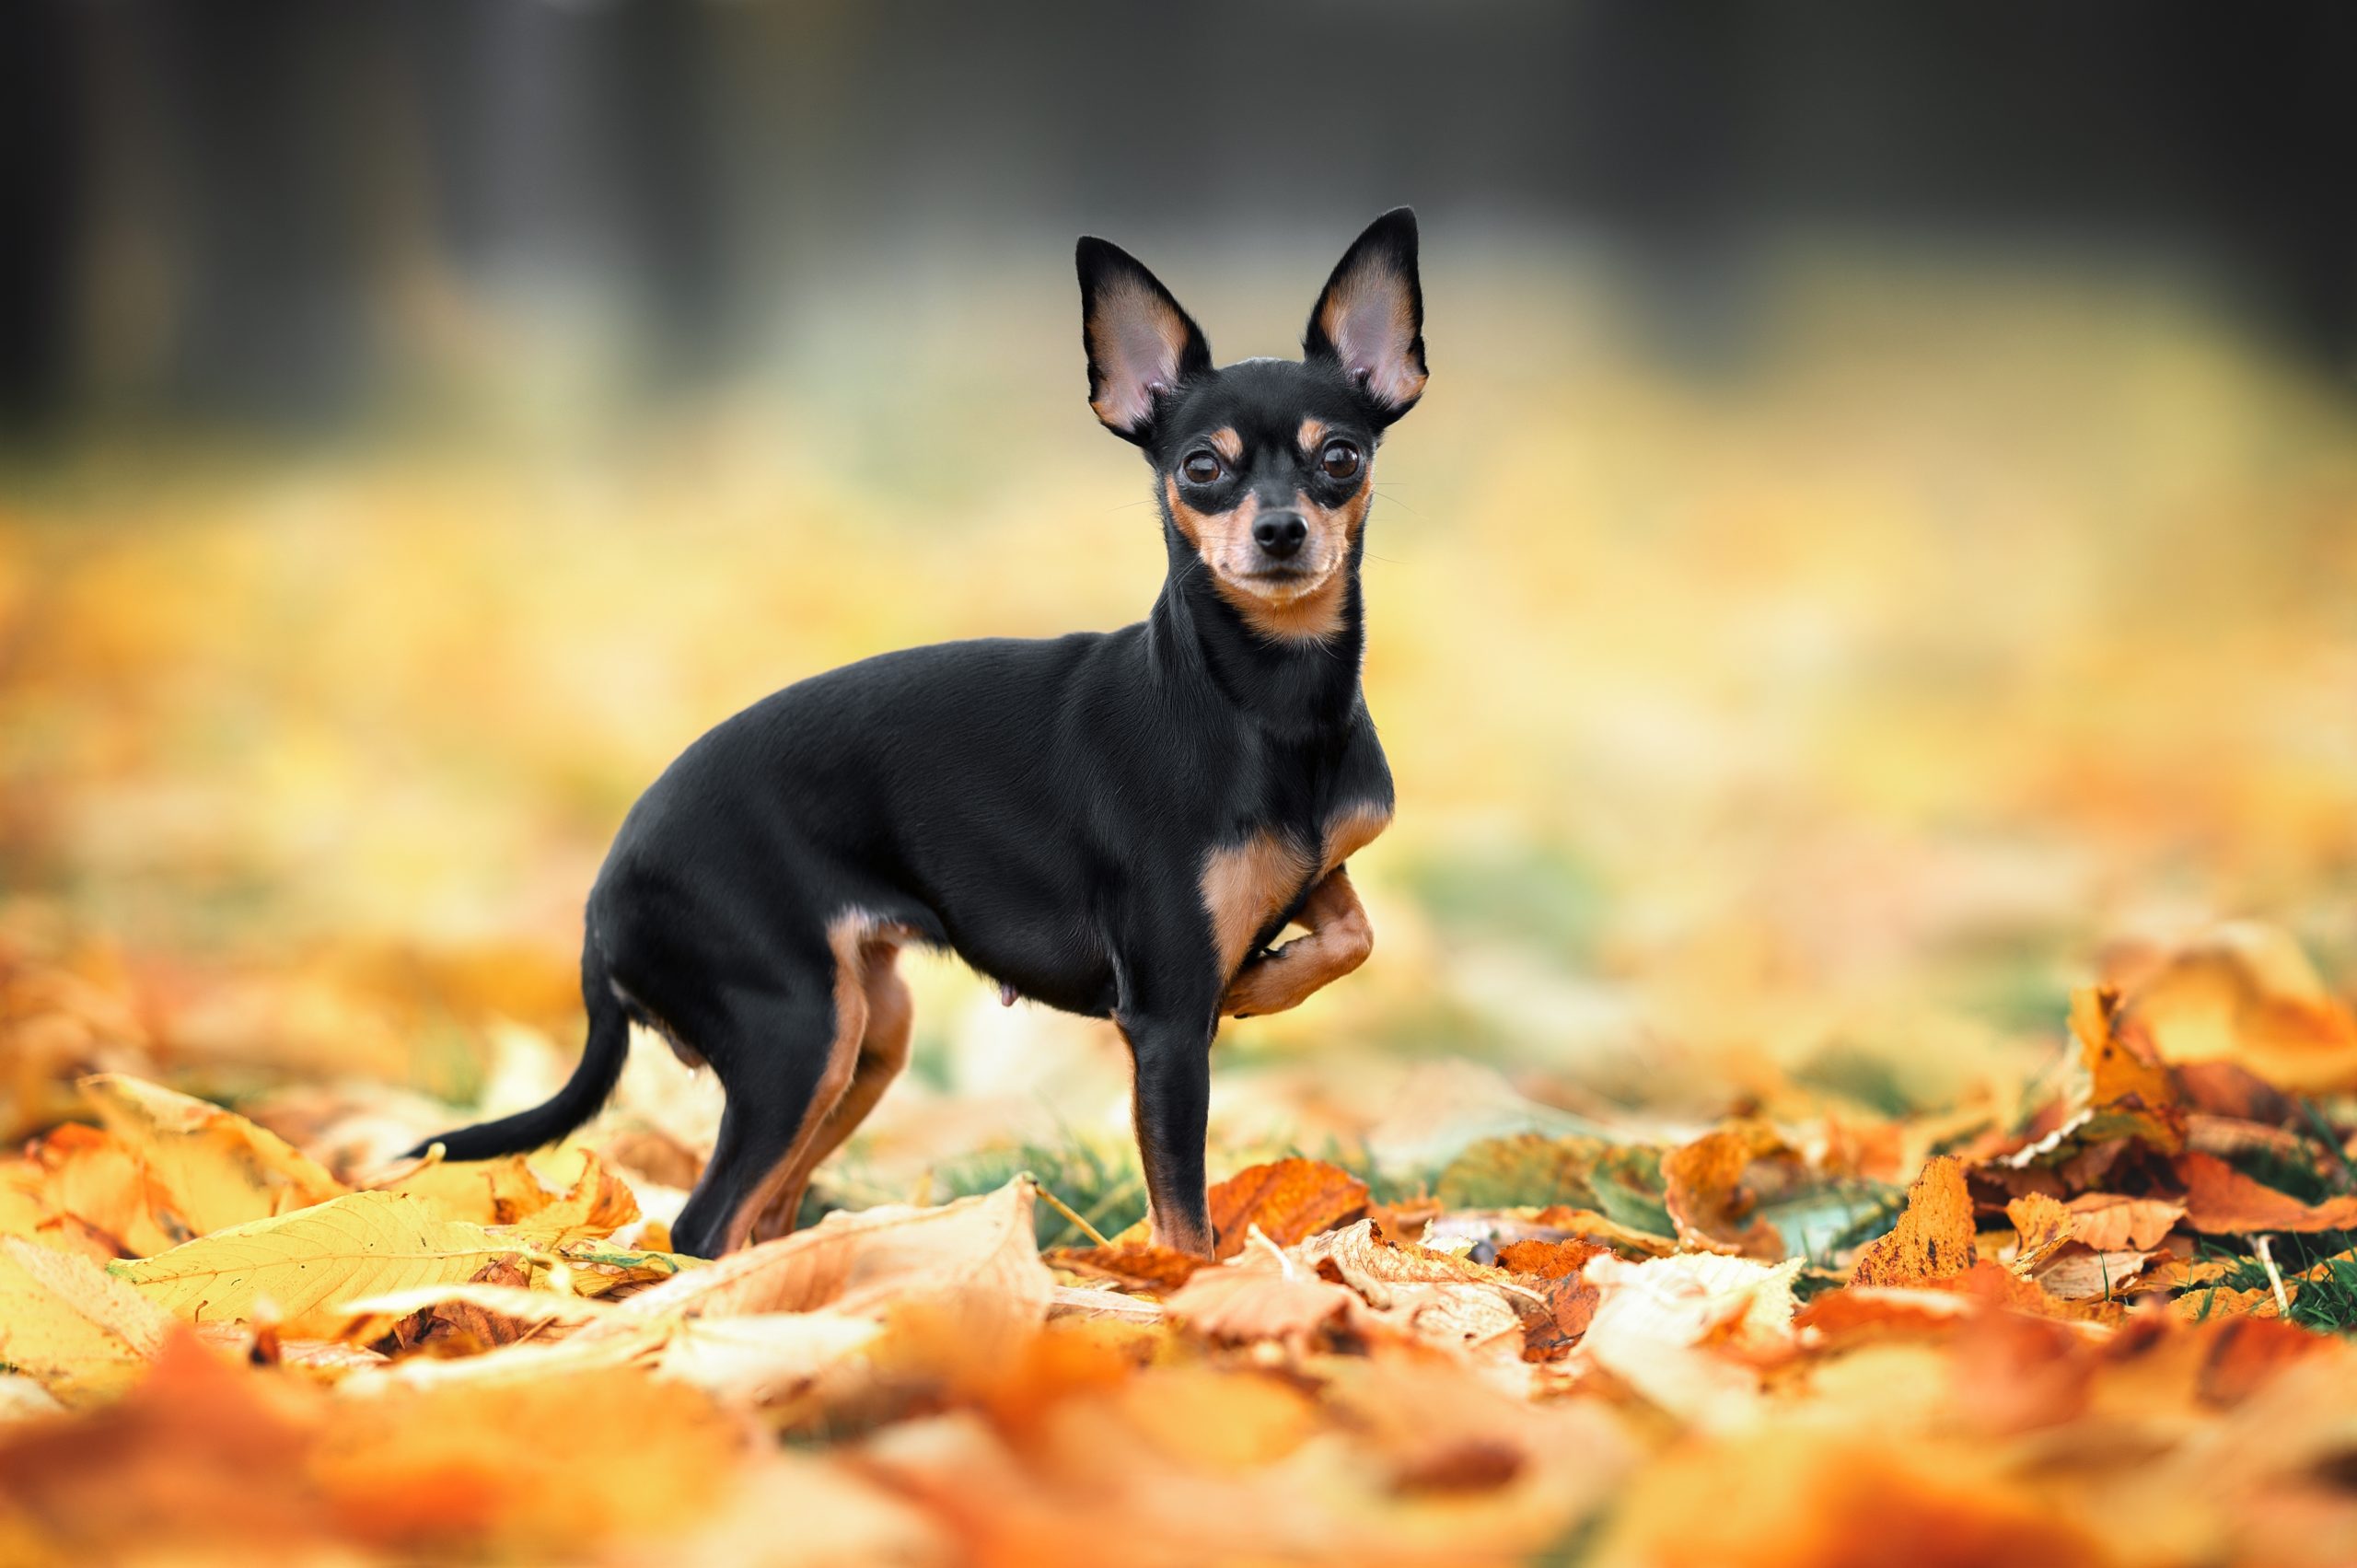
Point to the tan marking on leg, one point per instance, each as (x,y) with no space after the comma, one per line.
(1339,940)
(883,1052)
(845,936)
(1244,887)
(1350,831)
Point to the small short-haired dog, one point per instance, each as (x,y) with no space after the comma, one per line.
(1113,823)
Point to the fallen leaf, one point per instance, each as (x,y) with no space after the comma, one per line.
(2220,1199)
(1521,1168)
(1136,1265)
(2246,994)
(2109,1222)
(1933,1237)
(1287,1199)
(299,1265)
(64,1322)
(1263,1294)
(214,1167)
(1706,1197)
(2130,1092)
(1691,1333)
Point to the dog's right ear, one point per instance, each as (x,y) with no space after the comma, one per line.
(1141,344)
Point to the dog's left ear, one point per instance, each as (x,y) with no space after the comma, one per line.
(1370,320)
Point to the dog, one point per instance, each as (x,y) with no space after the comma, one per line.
(1116,824)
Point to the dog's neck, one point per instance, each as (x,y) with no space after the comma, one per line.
(1296,687)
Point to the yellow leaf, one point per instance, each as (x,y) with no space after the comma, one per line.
(215,1168)
(64,1322)
(362,1244)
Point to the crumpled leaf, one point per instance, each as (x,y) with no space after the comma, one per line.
(214,1167)
(1263,1295)
(368,1316)
(1459,1305)
(1495,1228)
(1933,1237)
(2220,1199)
(1706,1195)
(1691,1333)
(2130,1092)
(1287,1199)
(297,1266)
(974,1261)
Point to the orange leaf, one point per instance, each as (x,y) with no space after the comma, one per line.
(1288,1199)
(1933,1237)
(2219,1199)
(1706,1194)
(2132,1092)
(1137,1265)
(2109,1223)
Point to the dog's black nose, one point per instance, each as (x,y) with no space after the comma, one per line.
(1279,534)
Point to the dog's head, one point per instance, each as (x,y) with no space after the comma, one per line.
(1264,468)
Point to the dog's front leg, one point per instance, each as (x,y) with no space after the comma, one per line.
(1339,940)
(1170,1106)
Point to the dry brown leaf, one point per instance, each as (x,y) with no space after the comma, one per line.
(972,1263)
(2220,1199)
(1136,1265)
(1502,1228)
(1706,1196)
(2110,1222)
(1287,1199)
(1263,1295)
(2041,1224)
(1461,1306)
(2079,1272)
(1933,1238)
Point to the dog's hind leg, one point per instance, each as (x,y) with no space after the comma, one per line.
(883,1052)
(785,1058)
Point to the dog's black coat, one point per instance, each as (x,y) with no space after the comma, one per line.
(1044,808)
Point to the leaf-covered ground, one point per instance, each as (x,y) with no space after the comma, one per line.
(1857,1067)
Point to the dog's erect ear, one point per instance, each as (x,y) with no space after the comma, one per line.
(1141,344)
(1370,320)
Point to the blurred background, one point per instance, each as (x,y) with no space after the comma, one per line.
(1880,546)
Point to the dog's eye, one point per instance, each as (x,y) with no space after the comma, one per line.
(1340,460)
(1200,467)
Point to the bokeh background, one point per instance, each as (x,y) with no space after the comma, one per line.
(1880,547)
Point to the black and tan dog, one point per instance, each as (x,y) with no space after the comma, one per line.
(1112,823)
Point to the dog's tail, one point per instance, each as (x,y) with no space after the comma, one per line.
(583,1094)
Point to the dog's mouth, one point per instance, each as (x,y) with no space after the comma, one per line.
(1282,582)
